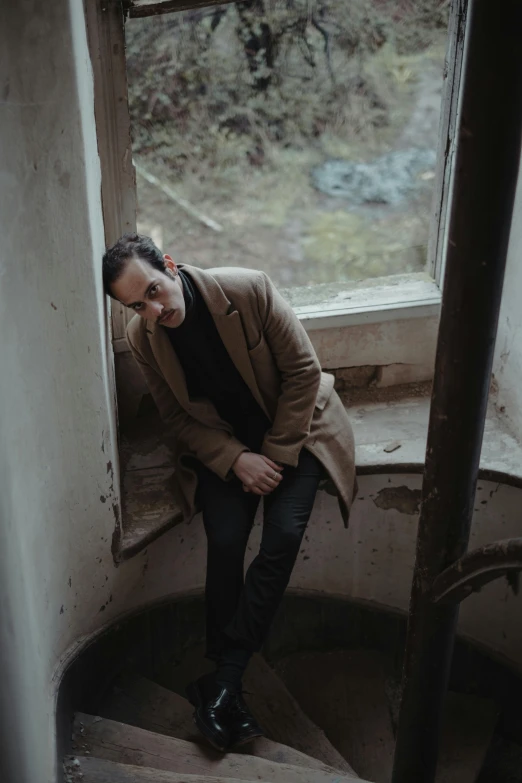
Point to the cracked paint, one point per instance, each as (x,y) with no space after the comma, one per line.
(402,499)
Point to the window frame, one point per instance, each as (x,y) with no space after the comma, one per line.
(106,25)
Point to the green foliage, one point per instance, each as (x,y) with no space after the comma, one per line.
(232,106)
(331,69)
(356,247)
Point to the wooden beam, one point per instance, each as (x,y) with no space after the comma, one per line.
(487,160)
(447,141)
(185,205)
(105,25)
(139,10)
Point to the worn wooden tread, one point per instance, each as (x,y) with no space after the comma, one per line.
(86,769)
(271,702)
(283,718)
(141,702)
(344,692)
(126,744)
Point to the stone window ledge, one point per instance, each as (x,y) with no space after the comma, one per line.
(390,427)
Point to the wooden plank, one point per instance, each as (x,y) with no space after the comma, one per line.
(344,693)
(120,345)
(447,139)
(143,703)
(149,508)
(130,745)
(277,711)
(141,8)
(84,769)
(283,718)
(105,27)
(181,202)
(149,505)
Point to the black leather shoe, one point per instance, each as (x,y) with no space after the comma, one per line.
(244,727)
(214,711)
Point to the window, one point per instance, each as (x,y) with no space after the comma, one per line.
(232,137)
(335,274)
(296,137)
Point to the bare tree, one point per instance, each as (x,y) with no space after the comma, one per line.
(258,42)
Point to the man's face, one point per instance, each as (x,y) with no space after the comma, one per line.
(151,293)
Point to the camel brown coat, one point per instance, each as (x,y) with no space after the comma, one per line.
(275,357)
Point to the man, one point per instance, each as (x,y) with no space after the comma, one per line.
(250,415)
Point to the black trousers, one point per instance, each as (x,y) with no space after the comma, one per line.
(240,608)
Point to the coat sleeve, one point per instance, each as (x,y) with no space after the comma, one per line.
(217,449)
(300,372)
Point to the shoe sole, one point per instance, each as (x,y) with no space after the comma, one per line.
(194,697)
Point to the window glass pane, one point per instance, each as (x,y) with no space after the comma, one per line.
(295,137)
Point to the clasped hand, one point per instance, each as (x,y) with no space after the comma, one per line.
(257,473)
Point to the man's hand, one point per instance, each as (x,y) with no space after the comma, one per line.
(258,474)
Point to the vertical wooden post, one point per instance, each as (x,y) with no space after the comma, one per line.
(485,178)
(106,30)
(447,133)
(105,23)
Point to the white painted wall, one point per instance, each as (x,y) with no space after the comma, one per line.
(409,343)
(507,366)
(372,561)
(56,420)
(58,583)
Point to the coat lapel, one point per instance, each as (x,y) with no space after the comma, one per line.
(230,330)
(168,362)
(229,326)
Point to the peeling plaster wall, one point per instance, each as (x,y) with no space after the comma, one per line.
(507,366)
(56,432)
(58,458)
(57,429)
(373,560)
(410,343)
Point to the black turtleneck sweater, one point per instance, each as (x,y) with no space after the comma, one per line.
(211,373)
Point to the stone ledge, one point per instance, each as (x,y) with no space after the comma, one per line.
(390,427)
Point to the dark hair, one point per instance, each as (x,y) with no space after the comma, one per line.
(129,246)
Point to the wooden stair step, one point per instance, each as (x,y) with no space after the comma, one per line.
(141,702)
(348,694)
(271,702)
(344,692)
(87,769)
(126,744)
(282,716)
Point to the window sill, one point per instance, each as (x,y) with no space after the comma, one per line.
(390,427)
(333,305)
(383,299)
(149,507)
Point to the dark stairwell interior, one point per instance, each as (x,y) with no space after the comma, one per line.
(326,690)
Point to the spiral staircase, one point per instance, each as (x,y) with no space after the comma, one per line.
(329,717)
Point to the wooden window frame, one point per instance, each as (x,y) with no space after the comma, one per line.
(106,26)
